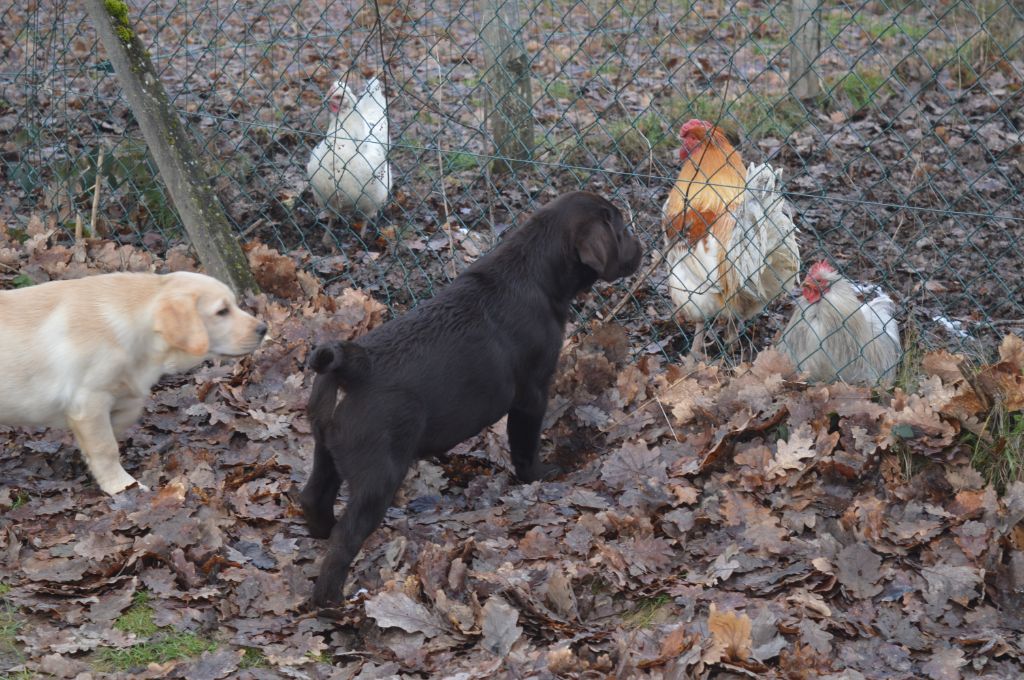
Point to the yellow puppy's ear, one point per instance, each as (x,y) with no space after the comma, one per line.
(178,321)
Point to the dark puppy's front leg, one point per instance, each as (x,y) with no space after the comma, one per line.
(524,424)
(371,494)
(320,493)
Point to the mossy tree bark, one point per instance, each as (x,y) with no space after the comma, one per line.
(510,112)
(172,148)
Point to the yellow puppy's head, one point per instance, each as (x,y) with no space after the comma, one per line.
(198,315)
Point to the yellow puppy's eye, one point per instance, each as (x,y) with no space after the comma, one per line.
(224,312)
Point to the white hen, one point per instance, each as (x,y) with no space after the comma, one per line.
(349,169)
(834,335)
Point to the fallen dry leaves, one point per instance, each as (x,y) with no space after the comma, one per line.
(749,524)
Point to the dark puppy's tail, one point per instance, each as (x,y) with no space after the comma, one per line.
(338,365)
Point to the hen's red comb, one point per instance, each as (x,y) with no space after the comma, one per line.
(691,125)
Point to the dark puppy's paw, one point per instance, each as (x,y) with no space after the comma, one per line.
(538,472)
(327,591)
(319,521)
(319,528)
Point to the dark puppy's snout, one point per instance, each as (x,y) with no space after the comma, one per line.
(631,252)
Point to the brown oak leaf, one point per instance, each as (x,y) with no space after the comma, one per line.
(499,626)
(395,609)
(945,664)
(859,570)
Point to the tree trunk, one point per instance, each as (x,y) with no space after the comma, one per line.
(510,110)
(172,148)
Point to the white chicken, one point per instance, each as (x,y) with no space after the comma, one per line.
(349,169)
(834,335)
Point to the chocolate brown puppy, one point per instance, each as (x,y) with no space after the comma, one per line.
(485,346)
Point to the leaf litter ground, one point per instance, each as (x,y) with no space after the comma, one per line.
(710,522)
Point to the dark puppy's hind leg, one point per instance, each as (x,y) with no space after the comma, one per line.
(524,424)
(371,493)
(320,493)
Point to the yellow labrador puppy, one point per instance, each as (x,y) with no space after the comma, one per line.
(84,353)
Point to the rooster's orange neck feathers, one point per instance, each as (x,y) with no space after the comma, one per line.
(709,184)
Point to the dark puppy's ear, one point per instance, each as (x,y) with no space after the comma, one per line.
(597,247)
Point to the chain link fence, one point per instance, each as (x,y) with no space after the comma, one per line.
(901,158)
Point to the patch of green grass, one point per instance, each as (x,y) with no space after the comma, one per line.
(19,235)
(22,281)
(768,47)
(647,612)
(407,141)
(425,117)
(457,161)
(560,90)
(22,497)
(876,27)
(750,116)
(10,624)
(879,28)
(253,658)
(138,618)
(635,139)
(166,648)
(979,34)
(760,116)
(999,456)
(20,675)
(857,89)
(834,23)
(992,30)
(160,646)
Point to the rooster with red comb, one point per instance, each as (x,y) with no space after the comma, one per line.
(730,243)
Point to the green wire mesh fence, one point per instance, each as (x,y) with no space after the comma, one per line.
(897,125)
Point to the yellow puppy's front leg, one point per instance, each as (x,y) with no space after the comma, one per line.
(96,439)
